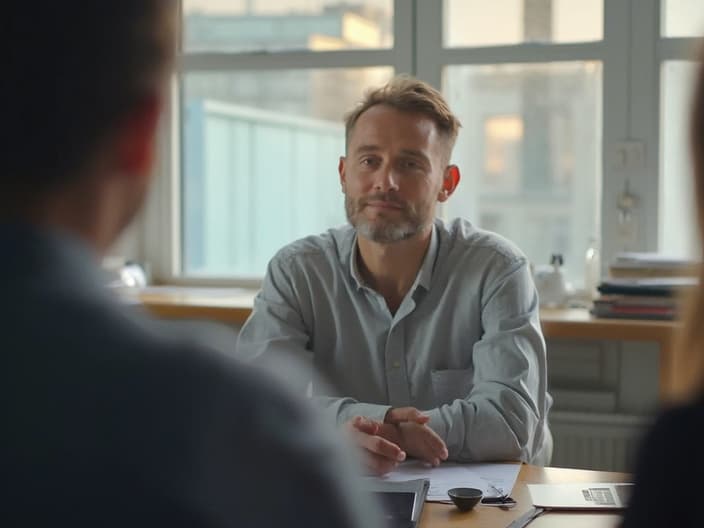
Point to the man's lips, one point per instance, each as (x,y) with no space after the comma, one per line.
(380,204)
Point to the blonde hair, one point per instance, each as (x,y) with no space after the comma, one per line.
(407,94)
(690,342)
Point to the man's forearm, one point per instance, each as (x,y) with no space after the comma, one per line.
(481,430)
(344,409)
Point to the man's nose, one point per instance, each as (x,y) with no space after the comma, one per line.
(386,180)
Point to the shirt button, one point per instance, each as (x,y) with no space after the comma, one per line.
(397,364)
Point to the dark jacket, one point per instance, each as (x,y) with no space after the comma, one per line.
(669,472)
(110,419)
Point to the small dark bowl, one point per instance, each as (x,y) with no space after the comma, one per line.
(465,498)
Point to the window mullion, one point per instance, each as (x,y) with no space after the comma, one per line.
(428,43)
(285,60)
(644,99)
(615,121)
(404,36)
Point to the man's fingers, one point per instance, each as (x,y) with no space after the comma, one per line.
(435,444)
(380,455)
(422,442)
(381,447)
(397,415)
(365,434)
(418,417)
(364,425)
(378,465)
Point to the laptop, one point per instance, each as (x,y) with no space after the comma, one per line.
(401,502)
(583,496)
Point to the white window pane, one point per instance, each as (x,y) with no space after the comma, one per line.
(501,22)
(677,218)
(274,25)
(259,162)
(682,18)
(530,153)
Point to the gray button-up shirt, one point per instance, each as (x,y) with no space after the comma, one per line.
(465,345)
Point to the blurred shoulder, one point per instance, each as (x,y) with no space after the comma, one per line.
(678,425)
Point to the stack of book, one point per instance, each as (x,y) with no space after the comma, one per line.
(644,286)
(632,265)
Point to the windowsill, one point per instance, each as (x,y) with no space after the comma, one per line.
(226,305)
(234,305)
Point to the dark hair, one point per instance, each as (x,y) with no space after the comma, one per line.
(72,70)
(406,94)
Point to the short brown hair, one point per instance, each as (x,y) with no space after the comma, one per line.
(406,94)
(73,69)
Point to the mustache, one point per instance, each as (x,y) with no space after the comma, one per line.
(382,197)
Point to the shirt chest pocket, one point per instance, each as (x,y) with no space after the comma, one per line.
(450,385)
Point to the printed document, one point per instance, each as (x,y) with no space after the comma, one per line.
(492,479)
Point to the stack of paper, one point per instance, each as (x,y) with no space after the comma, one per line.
(640,265)
(645,298)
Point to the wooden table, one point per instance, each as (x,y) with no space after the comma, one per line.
(233,306)
(436,515)
(226,305)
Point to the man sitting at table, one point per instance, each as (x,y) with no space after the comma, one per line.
(402,311)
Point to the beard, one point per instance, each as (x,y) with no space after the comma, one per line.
(384,229)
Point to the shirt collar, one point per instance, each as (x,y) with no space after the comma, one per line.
(425,274)
(354,269)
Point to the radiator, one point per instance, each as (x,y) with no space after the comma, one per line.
(607,442)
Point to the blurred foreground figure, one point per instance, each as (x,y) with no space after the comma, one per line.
(108,420)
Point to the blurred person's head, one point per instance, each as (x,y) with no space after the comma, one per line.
(83,86)
(399,141)
(690,370)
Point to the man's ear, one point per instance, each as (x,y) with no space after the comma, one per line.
(341,172)
(450,181)
(136,137)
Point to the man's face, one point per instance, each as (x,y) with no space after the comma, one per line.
(393,174)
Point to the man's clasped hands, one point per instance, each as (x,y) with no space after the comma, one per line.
(403,433)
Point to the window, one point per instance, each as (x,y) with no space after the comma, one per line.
(565,109)
(677,228)
(682,18)
(260,152)
(529,151)
(263,91)
(284,25)
(500,22)
(526,79)
(501,139)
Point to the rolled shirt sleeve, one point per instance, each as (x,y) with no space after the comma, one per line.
(502,417)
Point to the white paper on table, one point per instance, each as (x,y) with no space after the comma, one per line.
(452,475)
